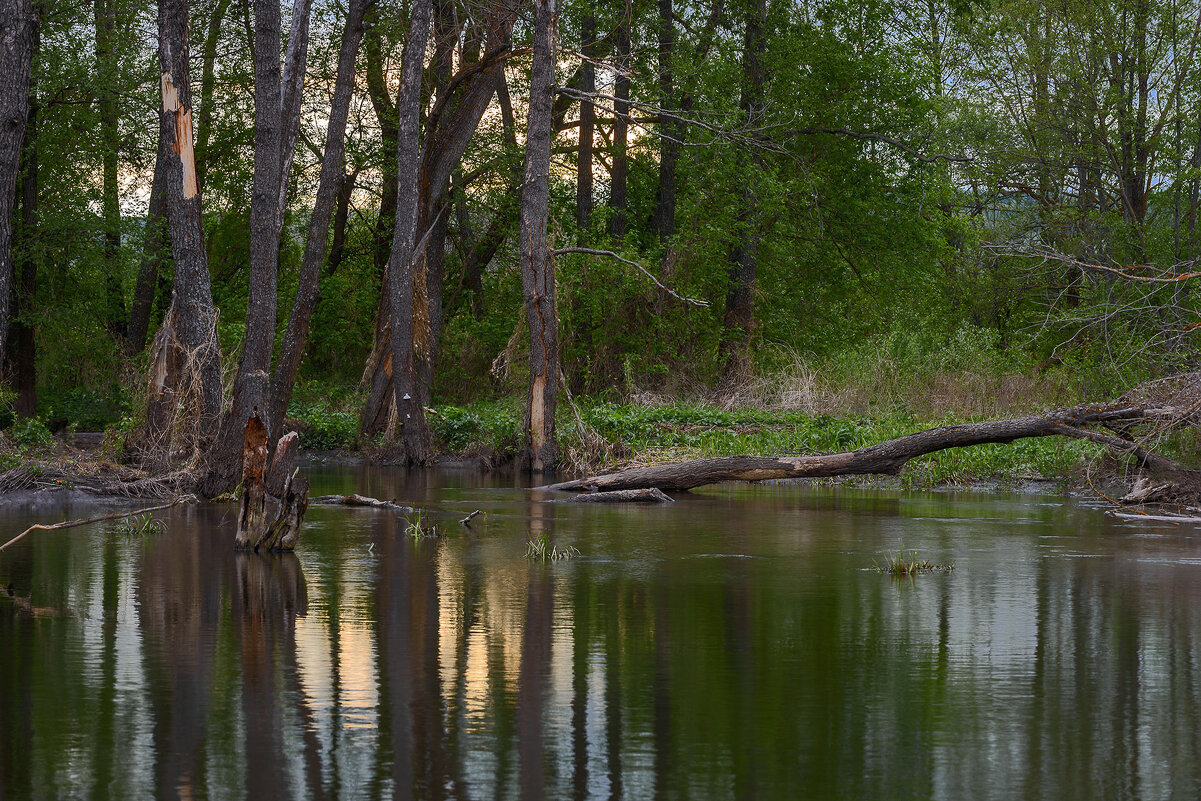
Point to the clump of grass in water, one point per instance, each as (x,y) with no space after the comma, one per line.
(418,530)
(140,526)
(900,565)
(542,548)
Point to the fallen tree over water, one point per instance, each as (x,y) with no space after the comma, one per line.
(1118,419)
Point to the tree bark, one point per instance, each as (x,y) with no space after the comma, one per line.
(263,523)
(744,256)
(23,348)
(669,143)
(385,115)
(207,72)
(621,108)
(108,112)
(156,235)
(537,265)
(17,24)
(295,63)
(186,367)
(413,438)
(250,392)
(888,458)
(583,183)
(328,192)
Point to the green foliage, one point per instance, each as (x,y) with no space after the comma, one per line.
(82,408)
(31,432)
(142,525)
(494,427)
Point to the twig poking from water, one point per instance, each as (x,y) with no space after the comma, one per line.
(466,521)
(84,522)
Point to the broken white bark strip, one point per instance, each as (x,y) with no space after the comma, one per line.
(100,518)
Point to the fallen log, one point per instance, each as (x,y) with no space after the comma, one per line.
(888,458)
(648,495)
(97,519)
(359,500)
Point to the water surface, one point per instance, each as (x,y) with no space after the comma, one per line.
(735,644)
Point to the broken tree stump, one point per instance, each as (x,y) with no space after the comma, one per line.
(267,522)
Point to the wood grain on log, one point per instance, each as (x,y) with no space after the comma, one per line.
(359,500)
(649,495)
(887,458)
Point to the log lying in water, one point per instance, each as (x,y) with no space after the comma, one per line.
(888,458)
(266,523)
(649,495)
(359,500)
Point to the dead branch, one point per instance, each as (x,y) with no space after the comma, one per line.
(646,272)
(359,500)
(98,519)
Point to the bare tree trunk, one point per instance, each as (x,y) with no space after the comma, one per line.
(186,368)
(537,265)
(385,114)
(295,63)
(337,246)
(156,235)
(621,107)
(251,384)
(16,52)
(328,192)
(669,143)
(106,100)
(204,126)
(744,258)
(413,434)
(583,184)
(23,348)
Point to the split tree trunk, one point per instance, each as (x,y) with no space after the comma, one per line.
(328,195)
(155,235)
(16,52)
(265,523)
(186,367)
(537,265)
(888,458)
(412,432)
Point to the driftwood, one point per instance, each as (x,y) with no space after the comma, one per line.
(888,458)
(359,500)
(649,495)
(99,518)
(267,522)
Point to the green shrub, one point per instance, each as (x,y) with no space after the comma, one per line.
(31,431)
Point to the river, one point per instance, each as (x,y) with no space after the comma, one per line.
(736,644)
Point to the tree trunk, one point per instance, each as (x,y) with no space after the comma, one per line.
(744,257)
(621,108)
(156,235)
(337,247)
(385,115)
(186,367)
(204,123)
(17,24)
(295,63)
(263,523)
(412,432)
(669,143)
(537,265)
(23,353)
(887,458)
(583,184)
(108,112)
(328,192)
(250,390)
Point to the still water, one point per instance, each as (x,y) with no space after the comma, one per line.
(735,644)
